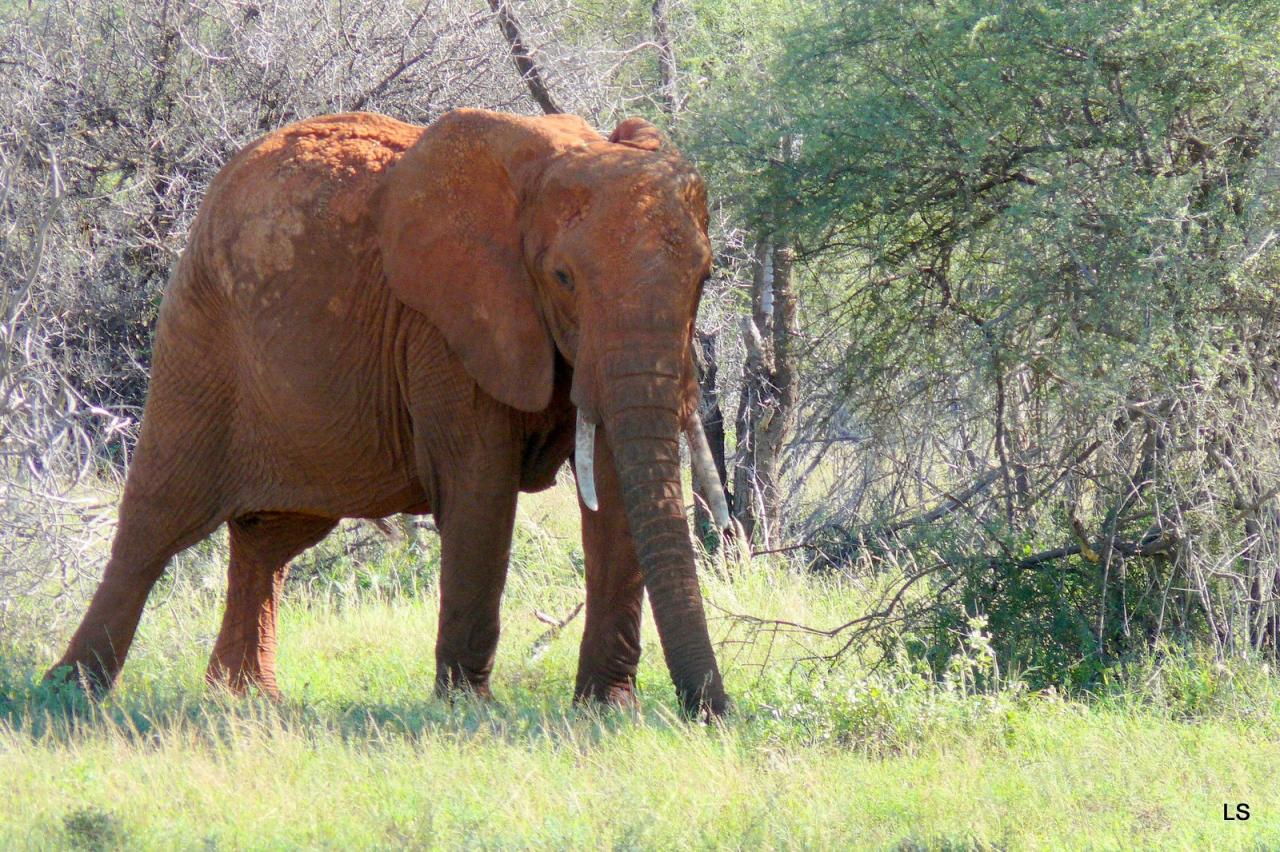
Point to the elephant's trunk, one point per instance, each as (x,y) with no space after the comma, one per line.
(641,423)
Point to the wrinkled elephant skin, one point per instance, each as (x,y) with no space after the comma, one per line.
(373,317)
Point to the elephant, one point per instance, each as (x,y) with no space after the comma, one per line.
(373,317)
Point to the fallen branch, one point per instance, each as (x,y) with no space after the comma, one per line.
(543,642)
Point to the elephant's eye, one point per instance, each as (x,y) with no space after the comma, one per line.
(565,281)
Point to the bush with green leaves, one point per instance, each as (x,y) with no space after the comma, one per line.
(1041,250)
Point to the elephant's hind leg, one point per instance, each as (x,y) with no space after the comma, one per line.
(261,547)
(153,526)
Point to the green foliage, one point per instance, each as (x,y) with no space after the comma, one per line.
(1189,684)
(1058,185)
(1056,623)
(1039,238)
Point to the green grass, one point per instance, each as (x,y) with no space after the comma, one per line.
(361,755)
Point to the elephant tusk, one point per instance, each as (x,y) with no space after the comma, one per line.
(584,462)
(704,468)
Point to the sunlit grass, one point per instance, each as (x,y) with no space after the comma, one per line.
(360,753)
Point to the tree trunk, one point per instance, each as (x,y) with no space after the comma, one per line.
(754,396)
(669,91)
(779,428)
(766,405)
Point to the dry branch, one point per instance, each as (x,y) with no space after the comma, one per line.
(528,69)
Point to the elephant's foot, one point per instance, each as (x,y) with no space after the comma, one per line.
(610,692)
(89,677)
(454,680)
(97,650)
(239,679)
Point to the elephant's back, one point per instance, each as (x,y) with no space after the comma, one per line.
(269,334)
(338,143)
(296,202)
(339,150)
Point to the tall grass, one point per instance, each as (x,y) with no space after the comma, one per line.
(816,755)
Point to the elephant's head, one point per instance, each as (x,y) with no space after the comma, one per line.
(520,237)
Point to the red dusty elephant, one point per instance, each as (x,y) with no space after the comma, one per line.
(375,317)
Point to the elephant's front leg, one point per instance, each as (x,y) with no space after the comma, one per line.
(610,649)
(475,540)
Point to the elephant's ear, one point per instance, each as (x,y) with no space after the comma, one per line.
(638,133)
(451,247)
